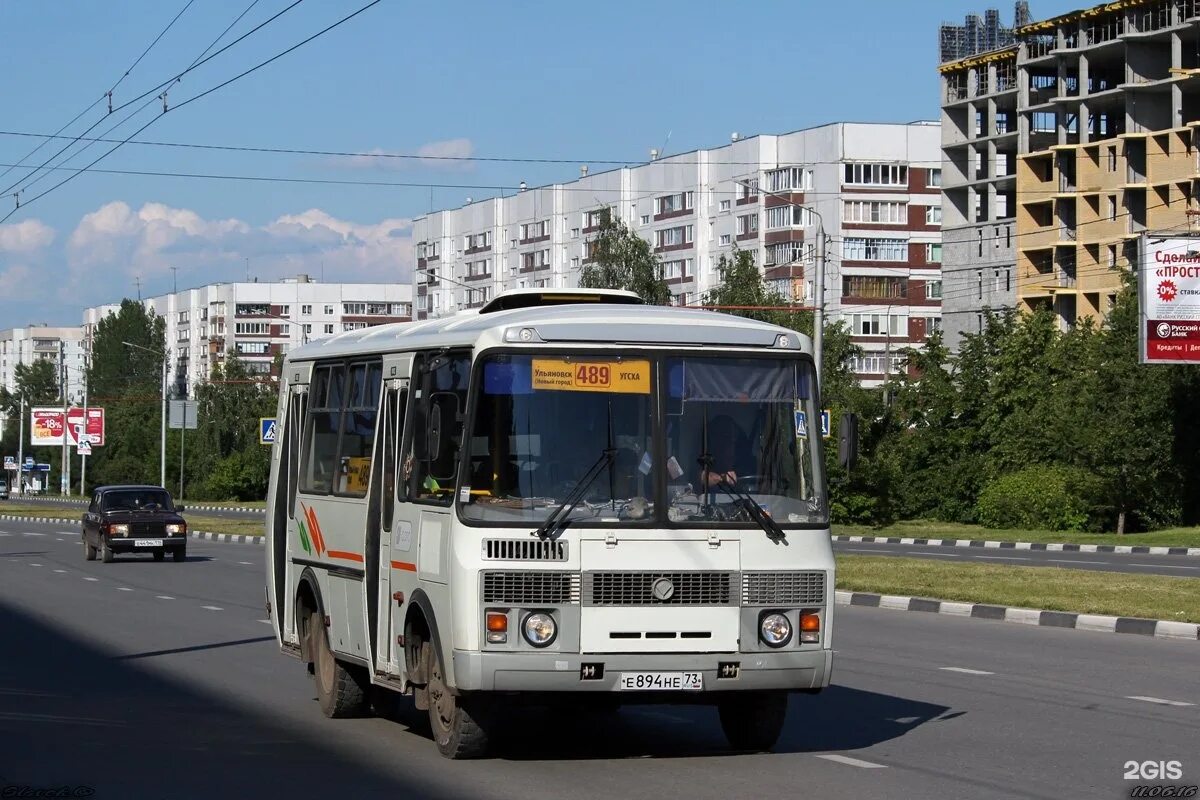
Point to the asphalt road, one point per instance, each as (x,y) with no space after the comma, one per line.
(1178,566)
(161,680)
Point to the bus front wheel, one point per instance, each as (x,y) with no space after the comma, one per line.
(753,720)
(457,723)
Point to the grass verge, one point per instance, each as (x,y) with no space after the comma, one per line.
(196,522)
(1113,593)
(924,529)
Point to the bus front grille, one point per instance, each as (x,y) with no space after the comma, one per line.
(530,588)
(524,550)
(783,588)
(658,588)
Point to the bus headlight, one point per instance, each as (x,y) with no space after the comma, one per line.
(774,629)
(539,629)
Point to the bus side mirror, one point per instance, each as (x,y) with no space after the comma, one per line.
(848,441)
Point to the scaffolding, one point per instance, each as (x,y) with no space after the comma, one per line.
(979,34)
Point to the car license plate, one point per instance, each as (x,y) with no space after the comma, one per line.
(147,543)
(661,681)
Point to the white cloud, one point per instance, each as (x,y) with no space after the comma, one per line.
(27,236)
(115,242)
(444,155)
(18,283)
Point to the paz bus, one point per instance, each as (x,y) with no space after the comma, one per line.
(565,496)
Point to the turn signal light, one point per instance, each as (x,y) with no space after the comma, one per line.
(496,624)
(810,627)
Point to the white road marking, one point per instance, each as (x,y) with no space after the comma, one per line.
(32,534)
(859,550)
(124,589)
(265,621)
(60,570)
(163,597)
(5,533)
(91,579)
(212,608)
(1162,566)
(939,555)
(1074,561)
(34,565)
(966,671)
(853,762)
(249,564)
(1158,700)
(1004,558)
(906,720)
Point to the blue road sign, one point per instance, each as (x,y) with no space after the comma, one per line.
(825,423)
(266,430)
(801,425)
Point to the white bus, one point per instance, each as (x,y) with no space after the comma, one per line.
(566,496)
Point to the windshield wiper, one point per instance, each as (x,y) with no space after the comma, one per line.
(564,509)
(756,511)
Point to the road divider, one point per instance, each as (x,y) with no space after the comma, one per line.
(1054,547)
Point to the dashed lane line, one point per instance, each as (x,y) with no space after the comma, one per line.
(212,608)
(124,589)
(1158,701)
(265,621)
(1162,566)
(852,762)
(1005,558)
(1074,561)
(966,671)
(60,570)
(163,597)
(91,579)
(34,565)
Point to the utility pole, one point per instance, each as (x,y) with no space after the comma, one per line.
(83,458)
(21,451)
(64,466)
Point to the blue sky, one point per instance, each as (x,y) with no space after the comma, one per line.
(528,80)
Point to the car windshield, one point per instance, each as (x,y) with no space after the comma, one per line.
(740,437)
(548,427)
(137,500)
(741,426)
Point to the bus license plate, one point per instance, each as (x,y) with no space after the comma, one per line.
(147,543)
(661,681)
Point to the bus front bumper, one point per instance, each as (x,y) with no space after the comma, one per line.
(564,672)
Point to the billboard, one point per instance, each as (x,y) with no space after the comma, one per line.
(1169,300)
(46,426)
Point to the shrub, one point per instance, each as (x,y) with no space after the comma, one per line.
(1048,497)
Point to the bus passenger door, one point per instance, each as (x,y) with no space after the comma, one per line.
(382,604)
(283,512)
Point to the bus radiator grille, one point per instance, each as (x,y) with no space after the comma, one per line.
(639,588)
(524,550)
(783,588)
(530,588)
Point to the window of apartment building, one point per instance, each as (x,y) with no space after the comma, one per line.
(251,328)
(306,311)
(203,314)
(784,253)
(678,268)
(724,239)
(477,240)
(645,219)
(355,309)
(876,362)
(876,175)
(328,327)
(254,348)
(884,213)
(787,217)
(1043,121)
(328,310)
(1002,165)
(748,190)
(575,264)
(874,287)
(479,269)
(183,317)
(933,215)
(537,259)
(980,232)
(863,249)
(1008,280)
(880,324)
(674,236)
(353,326)
(933,253)
(574,233)
(789,179)
(933,177)
(1008,235)
(535,230)
(252,309)
(1111,151)
(747,223)
(670,203)
(591,219)
(933,290)
(1112,207)
(979,279)
(933,325)
(285,311)
(723,205)
(1112,256)
(477,297)
(181,335)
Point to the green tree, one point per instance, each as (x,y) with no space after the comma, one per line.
(225,459)
(38,384)
(620,259)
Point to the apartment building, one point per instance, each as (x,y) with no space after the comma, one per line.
(41,342)
(1107,103)
(872,189)
(260,321)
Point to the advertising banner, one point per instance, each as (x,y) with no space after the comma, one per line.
(1169,300)
(46,426)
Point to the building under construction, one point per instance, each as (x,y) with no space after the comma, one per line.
(977,35)
(1060,150)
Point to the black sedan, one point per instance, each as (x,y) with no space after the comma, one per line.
(134,519)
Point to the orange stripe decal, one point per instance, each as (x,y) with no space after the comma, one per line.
(342,554)
(404,565)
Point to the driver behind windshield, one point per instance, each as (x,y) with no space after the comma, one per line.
(725,452)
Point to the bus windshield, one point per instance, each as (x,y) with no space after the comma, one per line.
(579,433)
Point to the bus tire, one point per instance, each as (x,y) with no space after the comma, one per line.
(459,726)
(341,688)
(753,720)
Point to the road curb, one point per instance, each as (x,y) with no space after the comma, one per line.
(234,538)
(189,507)
(1159,628)
(1119,549)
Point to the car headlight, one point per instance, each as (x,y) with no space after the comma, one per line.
(774,629)
(118,530)
(177,528)
(539,629)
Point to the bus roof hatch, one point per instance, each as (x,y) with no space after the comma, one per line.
(529,298)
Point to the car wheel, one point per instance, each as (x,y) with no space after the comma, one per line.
(89,550)
(341,689)
(106,553)
(753,720)
(459,724)
(179,554)
(159,555)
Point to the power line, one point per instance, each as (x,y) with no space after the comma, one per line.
(241,75)
(150,47)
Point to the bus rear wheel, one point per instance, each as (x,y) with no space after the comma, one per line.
(753,720)
(457,723)
(341,689)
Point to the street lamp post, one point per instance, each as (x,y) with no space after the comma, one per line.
(162,458)
(819,287)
